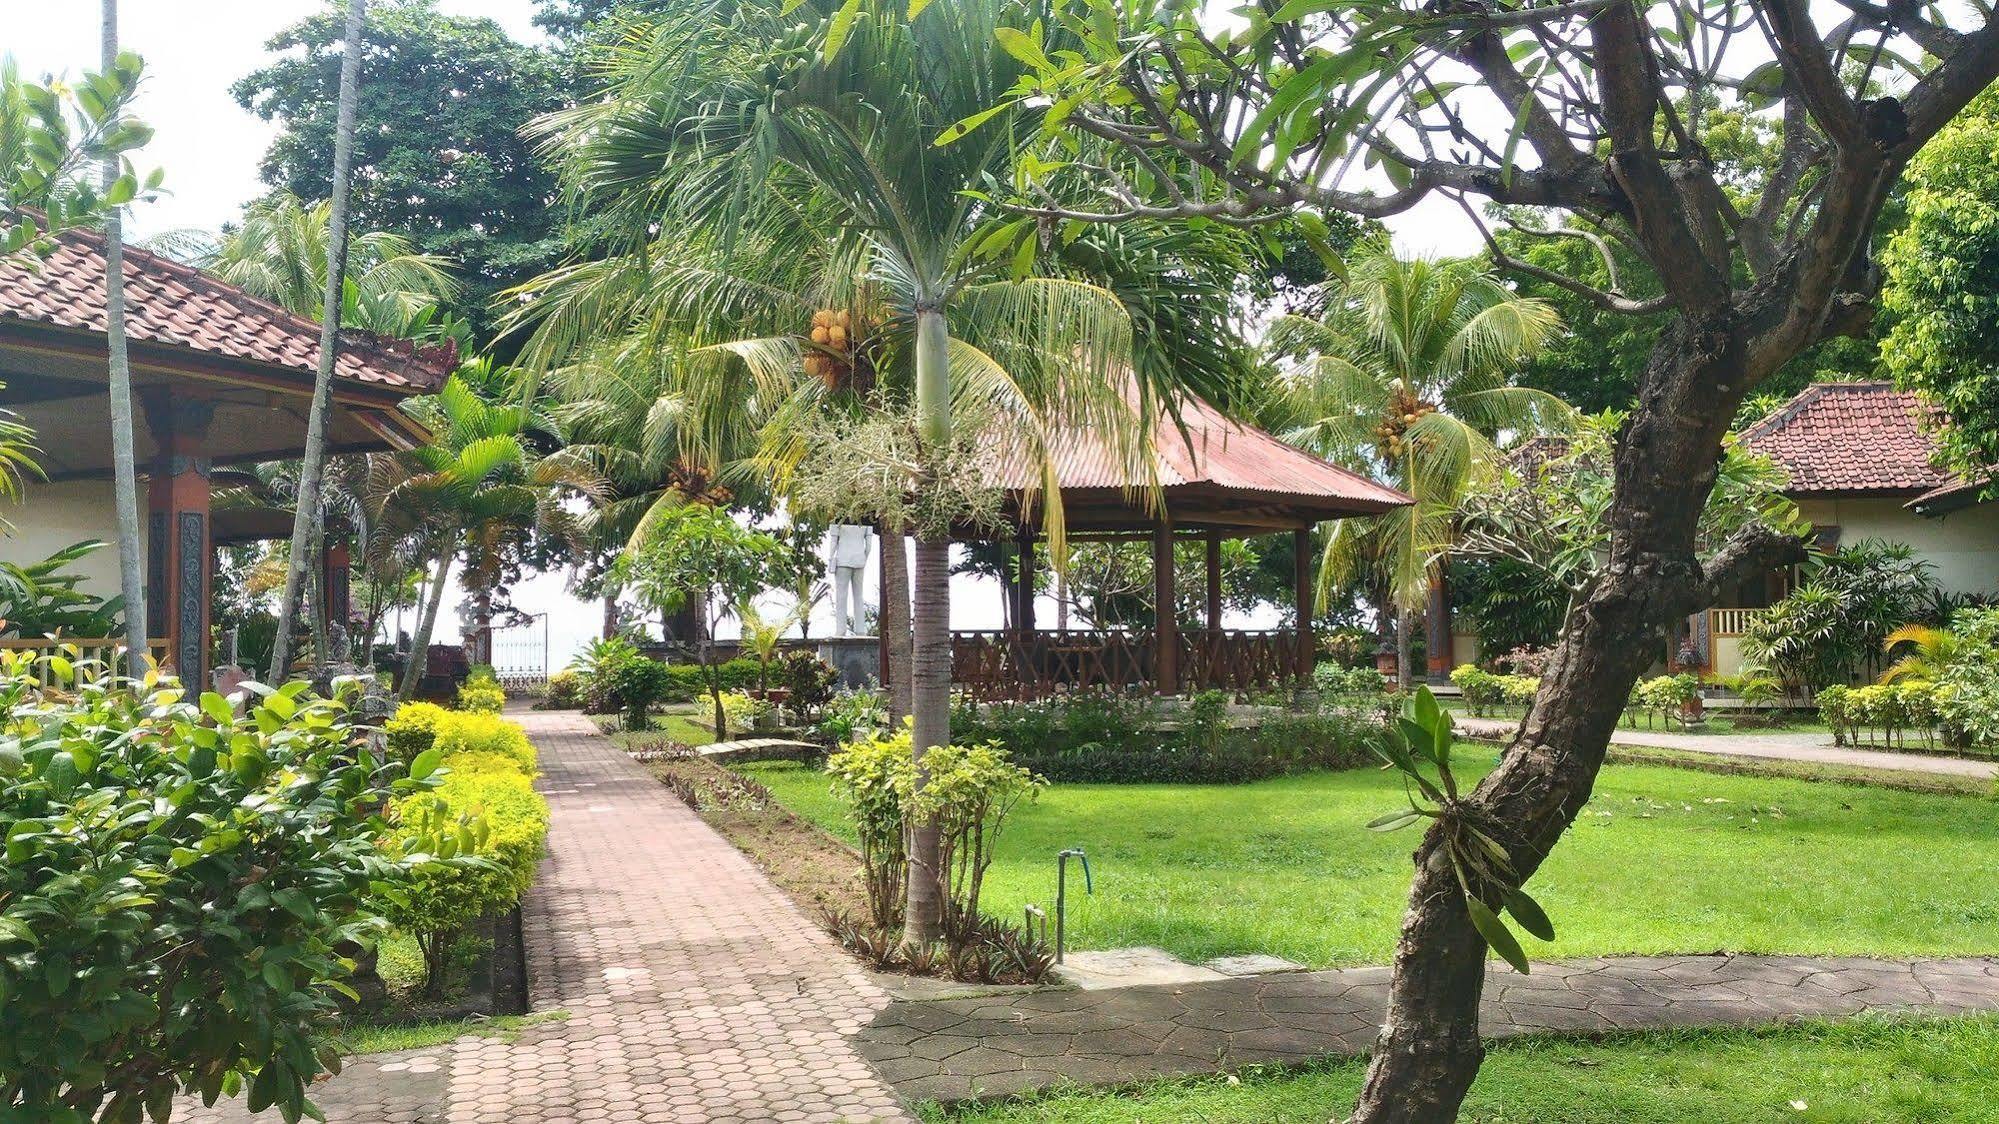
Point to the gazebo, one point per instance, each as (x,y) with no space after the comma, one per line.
(1217,479)
(220,378)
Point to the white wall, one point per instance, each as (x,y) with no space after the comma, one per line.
(1963,546)
(53,516)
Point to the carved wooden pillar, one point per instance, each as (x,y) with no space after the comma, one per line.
(1301,561)
(1166,628)
(179,558)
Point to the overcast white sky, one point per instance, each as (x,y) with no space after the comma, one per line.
(209,147)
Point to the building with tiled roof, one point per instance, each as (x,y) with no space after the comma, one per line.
(219,378)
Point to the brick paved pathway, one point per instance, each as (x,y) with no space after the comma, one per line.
(695,991)
(1816,749)
(958,1049)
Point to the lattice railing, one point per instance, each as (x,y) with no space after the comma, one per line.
(1004,664)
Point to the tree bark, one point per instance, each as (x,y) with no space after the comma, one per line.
(308,515)
(425,625)
(1428,1054)
(893,620)
(1405,658)
(124,457)
(930,678)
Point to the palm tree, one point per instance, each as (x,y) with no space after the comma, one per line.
(733,135)
(1405,377)
(308,525)
(124,457)
(280,253)
(479,485)
(1926,653)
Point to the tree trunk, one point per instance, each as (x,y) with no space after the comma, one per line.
(1427,1055)
(893,619)
(425,625)
(308,515)
(1405,661)
(124,457)
(930,676)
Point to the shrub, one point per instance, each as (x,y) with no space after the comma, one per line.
(866,775)
(483,695)
(1836,711)
(970,792)
(1342,681)
(742,710)
(565,691)
(159,846)
(413,729)
(639,684)
(460,734)
(486,808)
(853,715)
(1519,690)
(809,679)
(592,666)
(1665,696)
(1481,689)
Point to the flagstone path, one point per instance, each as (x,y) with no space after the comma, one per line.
(1812,748)
(959,1049)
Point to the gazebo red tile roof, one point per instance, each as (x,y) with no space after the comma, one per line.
(1851,438)
(1213,471)
(176,305)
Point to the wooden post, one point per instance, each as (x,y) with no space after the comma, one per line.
(179,555)
(882,648)
(1301,559)
(1166,629)
(1023,615)
(1214,583)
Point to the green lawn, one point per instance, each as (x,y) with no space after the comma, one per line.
(1662,860)
(1855,1072)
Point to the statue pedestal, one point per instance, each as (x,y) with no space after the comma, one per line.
(856,658)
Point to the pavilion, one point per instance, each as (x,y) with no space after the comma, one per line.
(220,378)
(1216,479)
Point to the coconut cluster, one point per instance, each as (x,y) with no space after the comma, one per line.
(830,359)
(1404,410)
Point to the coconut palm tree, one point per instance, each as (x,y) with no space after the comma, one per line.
(479,485)
(1923,653)
(280,253)
(1406,377)
(733,133)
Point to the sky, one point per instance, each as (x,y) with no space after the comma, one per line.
(209,148)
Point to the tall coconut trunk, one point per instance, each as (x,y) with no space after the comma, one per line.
(893,619)
(1405,658)
(1428,1052)
(425,625)
(930,642)
(307,519)
(124,456)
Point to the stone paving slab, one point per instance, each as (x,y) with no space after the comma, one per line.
(694,990)
(1815,749)
(966,1049)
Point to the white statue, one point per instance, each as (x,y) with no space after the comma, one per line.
(848,547)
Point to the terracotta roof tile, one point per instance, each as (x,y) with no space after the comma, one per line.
(178,305)
(1851,437)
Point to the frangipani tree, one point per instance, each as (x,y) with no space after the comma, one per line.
(1594,111)
(1405,377)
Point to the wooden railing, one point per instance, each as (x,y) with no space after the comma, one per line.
(1005,664)
(96,652)
(1731,622)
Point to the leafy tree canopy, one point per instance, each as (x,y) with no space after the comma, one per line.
(438,154)
(1943,286)
(52,134)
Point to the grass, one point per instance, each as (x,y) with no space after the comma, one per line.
(367,1039)
(1863,1070)
(1661,860)
(673,723)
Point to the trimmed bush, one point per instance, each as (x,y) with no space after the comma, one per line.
(565,691)
(639,684)
(413,729)
(460,734)
(482,693)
